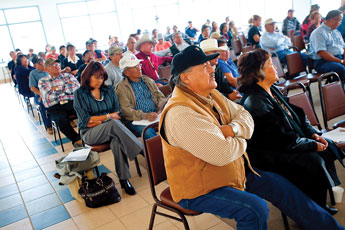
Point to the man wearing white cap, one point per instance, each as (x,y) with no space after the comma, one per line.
(139,97)
(210,46)
(150,61)
(277,42)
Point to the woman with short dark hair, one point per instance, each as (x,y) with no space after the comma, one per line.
(224,30)
(283,141)
(22,71)
(98,112)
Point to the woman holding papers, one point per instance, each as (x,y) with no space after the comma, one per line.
(139,96)
(98,109)
(283,140)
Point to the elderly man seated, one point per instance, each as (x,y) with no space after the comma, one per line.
(139,97)
(179,43)
(204,145)
(327,46)
(210,46)
(131,46)
(150,61)
(56,91)
(277,42)
(34,77)
(113,67)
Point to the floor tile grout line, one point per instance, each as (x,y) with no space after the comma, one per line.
(46,175)
(20,193)
(39,165)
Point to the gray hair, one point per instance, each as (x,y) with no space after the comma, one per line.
(177,79)
(178,32)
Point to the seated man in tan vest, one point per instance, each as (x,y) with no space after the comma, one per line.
(204,142)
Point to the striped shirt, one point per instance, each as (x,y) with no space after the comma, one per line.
(86,105)
(143,97)
(66,84)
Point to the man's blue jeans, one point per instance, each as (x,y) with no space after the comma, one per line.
(323,66)
(46,121)
(250,210)
(282,56)
(139,129)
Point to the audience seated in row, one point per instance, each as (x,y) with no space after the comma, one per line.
(35,75)
(204,135)
(283,141)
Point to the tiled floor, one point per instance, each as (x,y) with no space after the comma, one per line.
(31,198)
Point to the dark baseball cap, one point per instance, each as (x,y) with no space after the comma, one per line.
(190,56)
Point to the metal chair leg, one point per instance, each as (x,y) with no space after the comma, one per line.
(153,215)
(58,131)
(137,166)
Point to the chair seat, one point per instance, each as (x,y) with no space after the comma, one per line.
(168,200)
(100,148)
(313,77)
(302,80)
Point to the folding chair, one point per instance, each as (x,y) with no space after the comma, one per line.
(156,172)
(166,90)
(332,97)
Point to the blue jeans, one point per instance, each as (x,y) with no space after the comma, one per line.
(139,129)
(323,66)
(282,56)
(250,210)
(46,121)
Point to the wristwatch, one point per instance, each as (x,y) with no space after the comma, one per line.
(234,128)
(341,61)
(108,116)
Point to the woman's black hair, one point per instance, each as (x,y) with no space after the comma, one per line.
(19,59)
(250,67)
(92,68)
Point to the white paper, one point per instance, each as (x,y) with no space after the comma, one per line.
(146,122)
(79,155)
(337,135)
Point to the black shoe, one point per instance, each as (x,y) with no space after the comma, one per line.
(331,210)
(129,189)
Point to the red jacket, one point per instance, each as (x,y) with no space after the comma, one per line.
(147,68)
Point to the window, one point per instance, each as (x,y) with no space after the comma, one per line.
(2,18)
(5,44)
(93,19)
(22,15)
(28,35)
(155,14)
(21,28)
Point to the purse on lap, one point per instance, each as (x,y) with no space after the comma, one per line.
(99,192)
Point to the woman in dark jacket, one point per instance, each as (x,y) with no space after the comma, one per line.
(283,140)
(22,72)
(98,111)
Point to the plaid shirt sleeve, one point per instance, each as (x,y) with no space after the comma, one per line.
(49,96)
(71,84)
